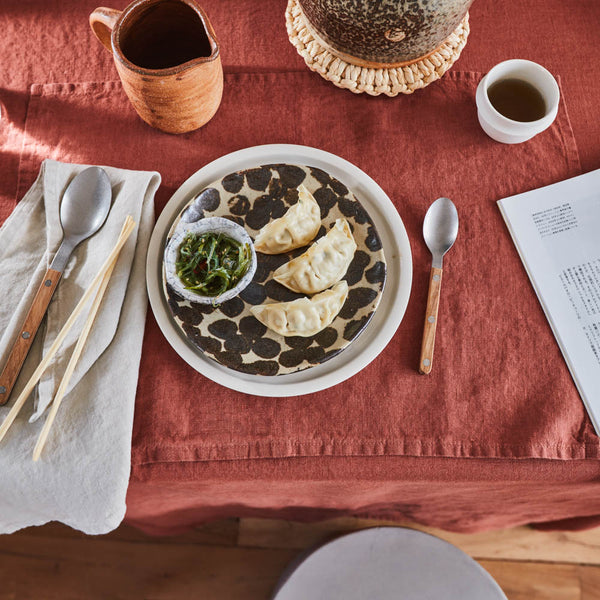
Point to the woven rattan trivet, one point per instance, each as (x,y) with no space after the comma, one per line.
(390,81)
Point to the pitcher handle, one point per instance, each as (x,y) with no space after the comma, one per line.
(102,21)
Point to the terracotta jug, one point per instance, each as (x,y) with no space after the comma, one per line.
(167,57)
(383,33)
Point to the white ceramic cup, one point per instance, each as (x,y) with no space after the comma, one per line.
(501,128)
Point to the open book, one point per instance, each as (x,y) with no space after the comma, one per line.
(556,230)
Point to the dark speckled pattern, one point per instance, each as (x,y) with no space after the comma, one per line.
(385,31)
(229,333)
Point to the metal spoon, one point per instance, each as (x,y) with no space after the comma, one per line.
(440,229)
(83,210)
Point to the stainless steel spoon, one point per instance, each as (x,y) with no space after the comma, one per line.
(83,210)
(440,229)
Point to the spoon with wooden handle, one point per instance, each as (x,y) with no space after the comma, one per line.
(440,229)
(83,210)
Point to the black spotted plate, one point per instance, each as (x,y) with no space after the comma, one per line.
(229,334)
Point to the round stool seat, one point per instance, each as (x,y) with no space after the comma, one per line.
(387,563)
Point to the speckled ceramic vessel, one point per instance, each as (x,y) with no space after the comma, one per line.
(200,226)
(229,333)
(383,33)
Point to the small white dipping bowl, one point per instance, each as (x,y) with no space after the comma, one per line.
(207,225)
(501,128)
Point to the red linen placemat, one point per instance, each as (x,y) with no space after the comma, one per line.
(499,387)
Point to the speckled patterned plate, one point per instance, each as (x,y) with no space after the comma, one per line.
(375,336)
(229,333)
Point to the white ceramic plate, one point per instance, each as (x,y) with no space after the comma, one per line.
(382,326)
(387,563)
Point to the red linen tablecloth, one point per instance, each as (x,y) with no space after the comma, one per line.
(497,434)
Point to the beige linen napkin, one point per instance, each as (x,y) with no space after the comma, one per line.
(82,476)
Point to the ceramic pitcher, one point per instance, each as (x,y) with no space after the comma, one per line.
(167,57)
(383,32)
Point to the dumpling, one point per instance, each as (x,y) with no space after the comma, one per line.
(295,229)
(323,264)
(303,317)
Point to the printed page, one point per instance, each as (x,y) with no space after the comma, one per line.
(556,230)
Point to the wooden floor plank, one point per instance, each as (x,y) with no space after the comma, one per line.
(42,567)
(520,543)
(530,581)
(590,583)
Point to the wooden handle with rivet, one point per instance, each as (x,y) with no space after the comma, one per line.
(431,315)
(22,344)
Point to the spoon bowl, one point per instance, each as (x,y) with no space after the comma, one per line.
(440,228)
(83,210)
(84,206)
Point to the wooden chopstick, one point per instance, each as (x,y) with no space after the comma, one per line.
(73,361)
(128,227)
